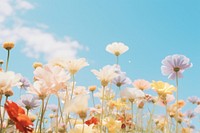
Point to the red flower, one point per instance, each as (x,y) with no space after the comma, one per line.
(18,116)
(93,120)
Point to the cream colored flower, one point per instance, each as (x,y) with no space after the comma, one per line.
(132,94)
(113,125)
(105,75)
(116,48)
(80,90)
(74,65)
(78,129)
(141,84)
(8,80)
(78,104)
(108,93)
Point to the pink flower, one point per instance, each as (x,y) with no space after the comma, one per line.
(141,84)
(169,98)
(175,64)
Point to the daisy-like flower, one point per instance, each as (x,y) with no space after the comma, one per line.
(80,90)
(24,83)
(132,94)
(141,84)
(175,64)
(109,93)
(106,74)
(169,98)
(121,79)
(116,48)
(78,104)
(92,120)
(8,80)
(190,114)
(29,101)
(52,107)
(193,99)
(197,109)
(112,124)
(54,77)
(74,65)
(162,88)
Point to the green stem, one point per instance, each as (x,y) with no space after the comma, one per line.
(60,109)
(73,82)
(8,56)
(1,119)
(150,119)
(93,98)
(132,110)
(177,102)
(102,111)
(41,118)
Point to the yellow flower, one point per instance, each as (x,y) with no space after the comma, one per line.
(119,104)
(112,125)
(162,88)
(8,45)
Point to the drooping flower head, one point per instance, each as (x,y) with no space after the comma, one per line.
(162,88)
(74,65)
(175,64)
(18,116)
(105,75)
(29,101)
(141,84)
(193,99)
(116,48)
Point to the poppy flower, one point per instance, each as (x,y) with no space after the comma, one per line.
(18,116)
(93,120)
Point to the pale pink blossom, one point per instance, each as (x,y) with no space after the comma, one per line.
(141,84)
(116,48)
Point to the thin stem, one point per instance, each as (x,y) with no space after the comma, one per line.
(117,62)
(27,110)
(102,110)
(93,98)
(4,111)
(177,102)
(150,119)
(73,82)
(132,110)
(61,113)
(83,126)
(1,119)
(42,114)
(8,56)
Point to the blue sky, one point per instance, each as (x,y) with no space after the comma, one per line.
(152,30)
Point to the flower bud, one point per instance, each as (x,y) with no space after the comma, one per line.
(8,45)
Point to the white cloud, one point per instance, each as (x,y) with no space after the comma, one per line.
(37,42)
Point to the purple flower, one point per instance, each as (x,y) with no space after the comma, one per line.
(175,64)
(190,114)
(193,99)
(29,101)
(24,83)
(121,79)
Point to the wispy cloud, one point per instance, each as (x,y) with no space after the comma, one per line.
(37,42)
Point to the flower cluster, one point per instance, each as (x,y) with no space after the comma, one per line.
(54,102)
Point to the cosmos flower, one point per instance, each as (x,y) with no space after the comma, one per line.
(24,83)
(109,93)
(190,114)
(106,74)
(162,102)
(121,79)
(8,80)
(116,48)
(54,77)
(52,107)
(29,101)
(162,88)
(113,125)
(197,109)
(18,116)
(92,120)
(78,104)
(132,94)
(141,84)
(175,64)
(193,99)
(74,65)
(80,90)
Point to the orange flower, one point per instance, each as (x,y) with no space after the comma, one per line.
(18,116)
(93,120)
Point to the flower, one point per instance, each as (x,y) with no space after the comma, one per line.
(80,90)
(8,45)
(197,109)
(78,129)
(193,99)
(78,104)
(92,120)
(54,77)
(190,114)
(24,83)
(29,101)
(37,64)
(18,116)
(8,80)
(108,93)
(92,88)
(141,84)
(74,65)
(175,64)
(105,75)
(132,94)
(112,124)
(116,48)
(162,88)
(121,79)
(52,107)
(169,98)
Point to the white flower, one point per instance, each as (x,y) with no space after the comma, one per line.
(8,80)
(80,90)
(74,65)
(132,93)
(106,74)
(108,93)
(116,48)
(78,104)
(78,129)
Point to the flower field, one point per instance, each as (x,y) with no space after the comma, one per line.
(118,105)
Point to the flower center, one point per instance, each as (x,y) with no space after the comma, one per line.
(176,69)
